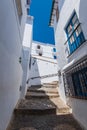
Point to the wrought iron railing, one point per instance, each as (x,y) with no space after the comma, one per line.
(75,80)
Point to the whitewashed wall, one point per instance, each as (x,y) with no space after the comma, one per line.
(42,68)
(11,35)
(47,49)
(80,6)
(26,52)
(44,65)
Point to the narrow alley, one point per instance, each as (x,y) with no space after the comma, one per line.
(43,109)
(43,65)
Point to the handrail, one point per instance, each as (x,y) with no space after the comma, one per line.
(45,76)
(42,77)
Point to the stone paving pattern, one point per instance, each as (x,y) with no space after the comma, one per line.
(41,116)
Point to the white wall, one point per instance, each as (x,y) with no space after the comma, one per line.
(47,49)
(11,33)
(43,68)
(26,52)
(78,106)
(44,65)
(79,110)
(27,39)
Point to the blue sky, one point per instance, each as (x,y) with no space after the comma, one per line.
(41,9)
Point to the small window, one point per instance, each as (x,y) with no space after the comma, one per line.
(27,11)
(54,49)
(19,9)
(38,46)
(40,54)
(39,50)
(28,2)
(55,57)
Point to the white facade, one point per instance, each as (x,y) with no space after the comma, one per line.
(43,66)
(80,7)
(26,53)
(11,36)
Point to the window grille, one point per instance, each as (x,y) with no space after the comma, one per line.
(75,80)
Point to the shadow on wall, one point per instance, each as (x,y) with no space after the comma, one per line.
(79,107)
(34,73)
(25,68)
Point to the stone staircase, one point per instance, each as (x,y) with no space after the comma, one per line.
(43,109)
(42,100)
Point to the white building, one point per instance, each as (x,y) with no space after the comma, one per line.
(70,37)
(26,53)
(43,64)
(12,23)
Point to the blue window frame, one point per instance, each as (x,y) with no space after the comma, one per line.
(54,53)
(54,49)
(55,57)
(75,82)
(75,36)
(79,79)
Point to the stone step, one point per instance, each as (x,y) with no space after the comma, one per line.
(42,106)
(45,85)
(61,106)
(35,107)
(42,90)
(28,128)
(45,122)
(53,83)
(30,95)
(50,86)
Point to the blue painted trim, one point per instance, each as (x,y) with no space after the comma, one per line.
(78,40)
(55,57)
(54,49)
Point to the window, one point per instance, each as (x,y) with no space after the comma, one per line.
(79,79)
(75,36)
(54,53)
(27,11)
(38,47)
(55,57)
(75,81)
(39,50)
(28,2)
(19,9)
(54,49)
(40,54)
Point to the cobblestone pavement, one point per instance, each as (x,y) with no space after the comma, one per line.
(45,122)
